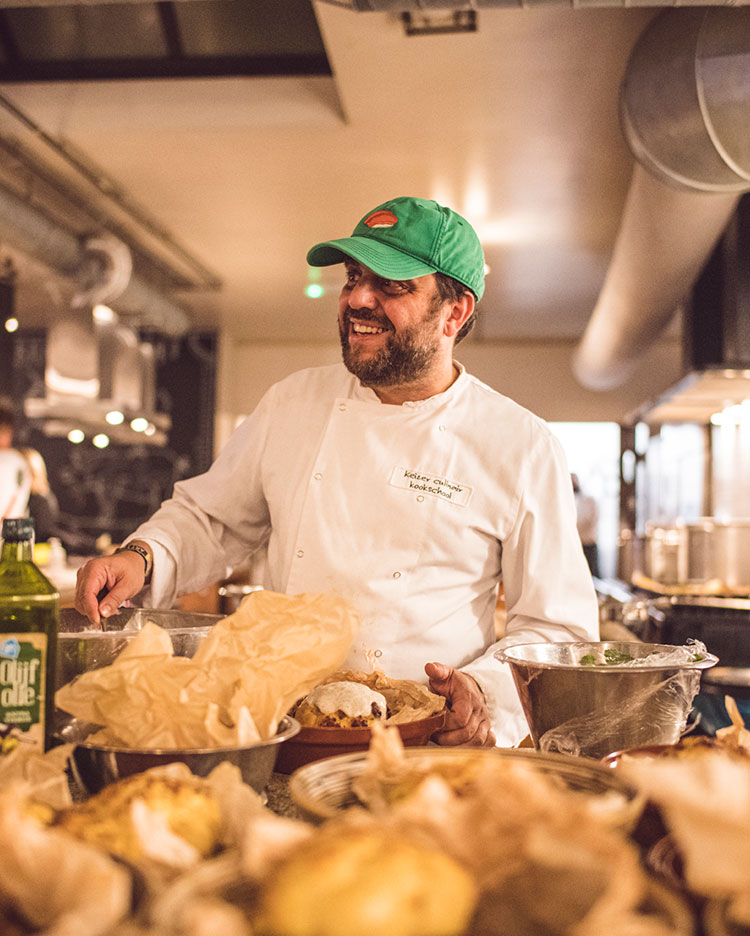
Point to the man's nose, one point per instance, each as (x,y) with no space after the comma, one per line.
(362,295)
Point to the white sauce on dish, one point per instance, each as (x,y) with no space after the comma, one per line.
(353,699)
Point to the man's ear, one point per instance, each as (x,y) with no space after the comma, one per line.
(459,311)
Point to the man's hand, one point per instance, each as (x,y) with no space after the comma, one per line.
(468,720)
(104,584)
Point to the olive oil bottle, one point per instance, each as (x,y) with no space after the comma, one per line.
(29,605)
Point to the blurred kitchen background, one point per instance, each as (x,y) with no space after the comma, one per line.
(164,167)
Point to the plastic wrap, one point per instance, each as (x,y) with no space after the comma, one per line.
(656,714)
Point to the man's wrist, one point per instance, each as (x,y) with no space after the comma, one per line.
(142,549)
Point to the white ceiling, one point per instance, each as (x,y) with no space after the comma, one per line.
(515,125)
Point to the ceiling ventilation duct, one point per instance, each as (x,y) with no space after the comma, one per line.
(87,263)
(371,6)
(98,376)
(685,108)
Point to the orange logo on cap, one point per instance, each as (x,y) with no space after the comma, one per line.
(381,219)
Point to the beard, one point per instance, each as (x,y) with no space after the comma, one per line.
(406,357)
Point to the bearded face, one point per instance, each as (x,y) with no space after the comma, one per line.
(402,355)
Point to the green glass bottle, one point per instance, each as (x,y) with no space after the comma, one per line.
(29,607)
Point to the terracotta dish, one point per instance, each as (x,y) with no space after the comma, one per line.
(312,744)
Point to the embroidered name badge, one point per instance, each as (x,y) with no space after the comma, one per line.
(436,485)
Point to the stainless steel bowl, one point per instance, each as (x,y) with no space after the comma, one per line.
(595,710)
(94,766)
(81,647)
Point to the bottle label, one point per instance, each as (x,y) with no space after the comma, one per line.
(22,690)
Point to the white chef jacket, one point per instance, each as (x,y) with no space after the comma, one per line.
(414,513)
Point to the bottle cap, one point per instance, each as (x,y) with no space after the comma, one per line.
(16,529)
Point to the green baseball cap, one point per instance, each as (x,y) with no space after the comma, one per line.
(409,237)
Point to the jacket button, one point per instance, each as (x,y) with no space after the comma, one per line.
(420,498)
(342,407)
(317,476)
(300,553)
(397,575)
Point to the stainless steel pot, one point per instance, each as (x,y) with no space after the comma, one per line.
(702,552)
(662,554)
(732,555)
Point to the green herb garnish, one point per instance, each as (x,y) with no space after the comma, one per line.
(613,657)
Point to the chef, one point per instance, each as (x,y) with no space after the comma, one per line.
(396,479)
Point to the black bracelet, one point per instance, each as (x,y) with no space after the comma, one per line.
(143,553)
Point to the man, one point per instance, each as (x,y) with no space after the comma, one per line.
(397,480)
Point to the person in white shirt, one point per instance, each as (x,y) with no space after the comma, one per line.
(15,484)
(587,521)
(15,475)
(395,479)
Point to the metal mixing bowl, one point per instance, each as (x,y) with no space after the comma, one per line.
(95,765)
(81,647)
(595,710)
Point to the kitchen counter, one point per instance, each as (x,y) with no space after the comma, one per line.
(279,800)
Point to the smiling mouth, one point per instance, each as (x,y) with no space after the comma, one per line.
(359,328)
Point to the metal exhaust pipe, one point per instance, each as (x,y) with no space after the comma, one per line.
(685,107)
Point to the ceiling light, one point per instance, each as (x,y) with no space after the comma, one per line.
(103,314)
(139,424)
(433,23)
(314,291)
(115,417)
(11,324)
(101,440)
(76,436)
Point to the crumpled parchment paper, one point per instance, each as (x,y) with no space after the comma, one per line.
(243,678)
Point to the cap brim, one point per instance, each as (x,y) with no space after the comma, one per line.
(380,258)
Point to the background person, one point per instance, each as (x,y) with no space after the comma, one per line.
(43,506)
(7,423)
(587,522)
(15,476)
(378,479)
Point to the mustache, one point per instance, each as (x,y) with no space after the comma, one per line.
(366,315)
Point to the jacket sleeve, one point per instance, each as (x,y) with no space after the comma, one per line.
(549,591)
(213,522)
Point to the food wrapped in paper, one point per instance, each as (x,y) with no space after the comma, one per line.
(243,678)
(705,802)
(703,792)
(546,857)
(166,819)
(51,882)
(42,776)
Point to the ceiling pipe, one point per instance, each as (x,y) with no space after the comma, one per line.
(370,6)
(685,109)
(81,260)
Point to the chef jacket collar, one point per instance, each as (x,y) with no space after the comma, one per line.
(368,395)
